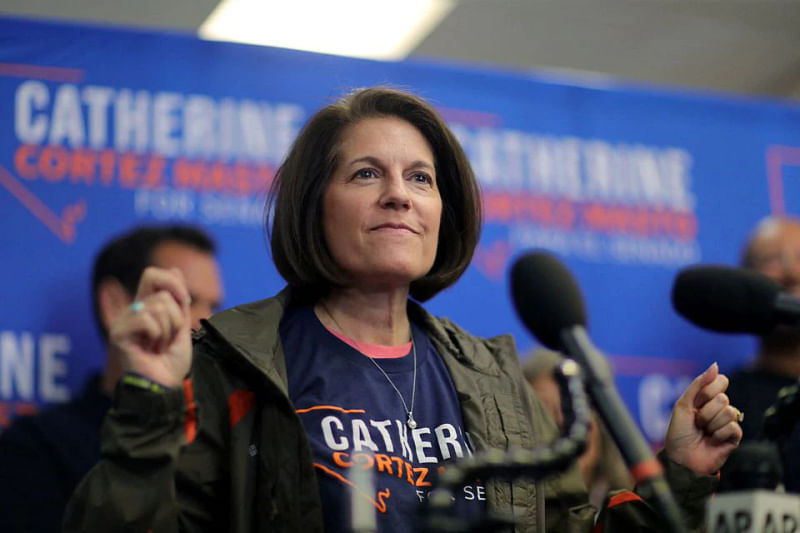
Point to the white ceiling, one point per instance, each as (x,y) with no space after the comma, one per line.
(743,46)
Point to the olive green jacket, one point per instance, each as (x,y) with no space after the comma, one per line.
(229,453)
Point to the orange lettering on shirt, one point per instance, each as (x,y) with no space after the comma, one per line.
(423,473)
(384,463)
(338,458)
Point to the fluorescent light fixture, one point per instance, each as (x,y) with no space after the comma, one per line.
(377,29)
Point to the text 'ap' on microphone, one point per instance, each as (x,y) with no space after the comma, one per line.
(733,300)
(549,303)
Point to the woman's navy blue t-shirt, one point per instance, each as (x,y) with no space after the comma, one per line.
(355,420)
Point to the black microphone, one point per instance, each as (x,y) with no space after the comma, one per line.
(733,300)
(549,303)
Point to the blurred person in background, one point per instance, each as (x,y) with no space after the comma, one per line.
(43,457)
(773,249)
(602,465)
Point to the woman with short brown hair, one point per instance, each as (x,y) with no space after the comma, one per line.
(262,426)
(298,245)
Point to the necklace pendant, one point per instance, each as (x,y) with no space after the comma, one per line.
(411,422)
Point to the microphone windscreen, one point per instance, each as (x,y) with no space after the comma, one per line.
(726,299)
(546,297)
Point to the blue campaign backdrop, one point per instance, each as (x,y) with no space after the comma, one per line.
(102,129)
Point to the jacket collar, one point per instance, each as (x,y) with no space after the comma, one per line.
(479,354)
(252,330)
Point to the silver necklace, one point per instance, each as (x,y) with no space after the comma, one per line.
(410,422)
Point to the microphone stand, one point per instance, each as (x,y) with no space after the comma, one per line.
(643,465)
(539,463)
